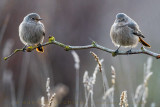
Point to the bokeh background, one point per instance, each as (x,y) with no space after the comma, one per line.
(74,22)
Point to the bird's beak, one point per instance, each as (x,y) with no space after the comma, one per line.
(39,19)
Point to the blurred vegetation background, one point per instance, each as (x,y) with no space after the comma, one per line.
(74,22)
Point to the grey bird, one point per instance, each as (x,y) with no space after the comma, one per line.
(125,32)
(32,31)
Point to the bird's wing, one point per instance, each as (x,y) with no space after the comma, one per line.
(42,29)
(135,29)
(43,33)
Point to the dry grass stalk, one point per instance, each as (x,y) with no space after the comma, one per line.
(147,75)
(42,102)
(77,66)
(76,59)
(123,99)
(97,60)
(144,97)
(141,93)
(108,92)
(90,81)
(138,95)
(4,26)
(48,87)
(147,78)
(51,100)
(113,75)
(85,77)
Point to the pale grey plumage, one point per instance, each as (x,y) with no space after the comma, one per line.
(125,31)
(31,30)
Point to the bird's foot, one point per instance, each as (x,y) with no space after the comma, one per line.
(129,51)
(116,51)
(40,48)
(24,48)
(39,45)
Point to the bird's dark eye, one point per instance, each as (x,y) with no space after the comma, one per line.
(33,18)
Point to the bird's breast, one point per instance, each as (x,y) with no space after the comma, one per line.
(30,33)
(122,35)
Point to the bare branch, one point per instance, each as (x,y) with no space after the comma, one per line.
(93,45)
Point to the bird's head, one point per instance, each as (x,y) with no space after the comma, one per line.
(32,17)
(121,18)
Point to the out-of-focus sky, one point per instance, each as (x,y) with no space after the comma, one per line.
(74,22)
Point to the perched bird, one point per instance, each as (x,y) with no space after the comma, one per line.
(125,32)
(32,31)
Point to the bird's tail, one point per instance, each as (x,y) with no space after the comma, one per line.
(144,43)
(40,49)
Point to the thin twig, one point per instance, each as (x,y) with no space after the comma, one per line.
(93,45)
